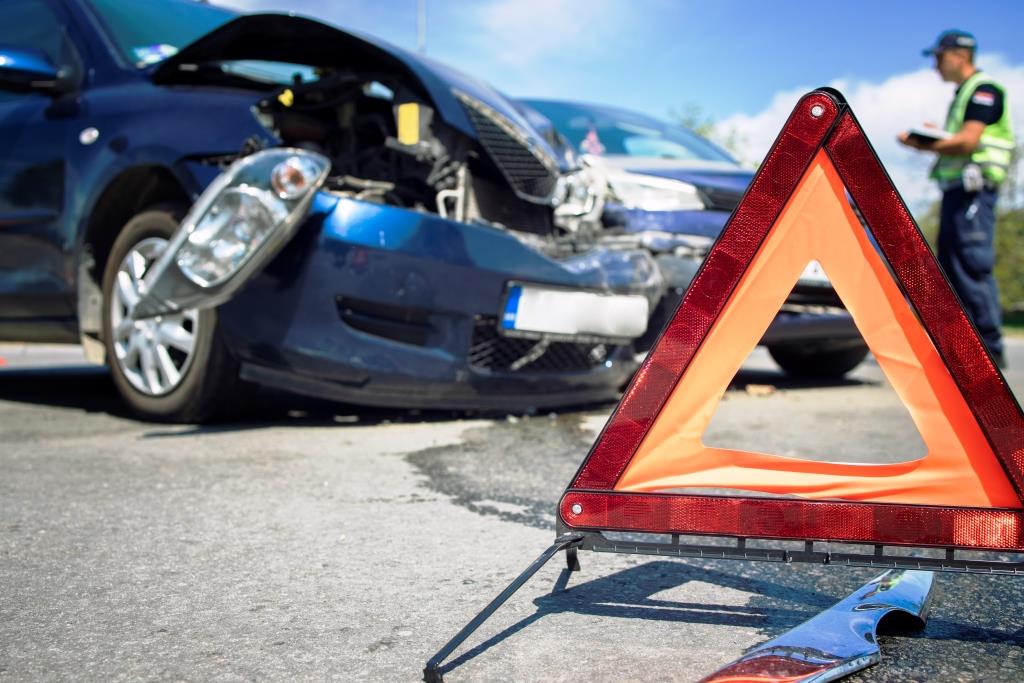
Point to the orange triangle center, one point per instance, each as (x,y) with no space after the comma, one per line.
(818,223)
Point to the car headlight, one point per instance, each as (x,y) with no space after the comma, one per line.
(241,221)
(580,198)
(649,193)
(256,197)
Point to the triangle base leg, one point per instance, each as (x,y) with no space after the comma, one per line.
(432,672)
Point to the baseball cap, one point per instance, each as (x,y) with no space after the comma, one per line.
(950,39)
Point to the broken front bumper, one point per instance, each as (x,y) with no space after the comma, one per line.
(378,305)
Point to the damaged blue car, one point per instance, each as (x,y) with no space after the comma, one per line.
(204,200)
(671,192)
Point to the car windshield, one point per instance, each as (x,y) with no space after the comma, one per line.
(607,130)
(150,31)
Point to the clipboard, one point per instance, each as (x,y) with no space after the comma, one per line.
(927,135)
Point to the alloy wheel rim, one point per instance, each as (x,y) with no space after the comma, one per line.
(153,354)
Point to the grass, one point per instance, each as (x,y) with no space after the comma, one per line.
(1013,324)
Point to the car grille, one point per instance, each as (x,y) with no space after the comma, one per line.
(491,351)
(526,170)
(718,199)
(497,203)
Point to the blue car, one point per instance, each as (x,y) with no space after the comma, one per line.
(207,200)
(672,191)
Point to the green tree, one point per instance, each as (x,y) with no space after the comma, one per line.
(1011,194)
(1009,248)
(928,221)
(1010,237)
(1009,271)
(692,116)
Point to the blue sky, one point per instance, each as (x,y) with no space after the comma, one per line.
(743,62)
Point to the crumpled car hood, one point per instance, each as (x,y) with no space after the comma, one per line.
(299,40)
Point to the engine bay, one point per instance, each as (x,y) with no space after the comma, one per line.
(387,144)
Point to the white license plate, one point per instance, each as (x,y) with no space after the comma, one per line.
(543,310)
(814,274)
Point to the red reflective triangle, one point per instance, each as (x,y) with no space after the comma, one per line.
(821,149)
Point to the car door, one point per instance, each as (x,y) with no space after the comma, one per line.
(36,254)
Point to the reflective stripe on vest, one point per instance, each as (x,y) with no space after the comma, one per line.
(995,148)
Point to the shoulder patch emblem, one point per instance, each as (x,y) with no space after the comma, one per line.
(984,98)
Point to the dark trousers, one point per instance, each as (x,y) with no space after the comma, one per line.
(966,232)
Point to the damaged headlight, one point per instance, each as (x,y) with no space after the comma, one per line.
(234,227)
(637,191)
(579,198)
(243,208)
(242,219)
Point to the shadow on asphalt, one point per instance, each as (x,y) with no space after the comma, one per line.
(89,388)
(630,594)
(82,387)
(781,380)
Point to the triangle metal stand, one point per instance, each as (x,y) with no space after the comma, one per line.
(432,673)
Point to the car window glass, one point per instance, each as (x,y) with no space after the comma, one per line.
(642,146)
(281,73)
(607,130)
(149,32)
(30,23)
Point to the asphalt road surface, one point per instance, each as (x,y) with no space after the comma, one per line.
(317,541)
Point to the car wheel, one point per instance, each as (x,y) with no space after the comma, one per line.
(802,361)
(173,368)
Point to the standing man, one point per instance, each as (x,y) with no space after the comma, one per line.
(974,159)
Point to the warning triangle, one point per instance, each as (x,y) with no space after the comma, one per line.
(965,492)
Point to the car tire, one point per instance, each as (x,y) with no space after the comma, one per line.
(811,362)
(173,368)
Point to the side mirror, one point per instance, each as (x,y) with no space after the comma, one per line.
(24,69)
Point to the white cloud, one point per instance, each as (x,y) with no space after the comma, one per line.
(884,109)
